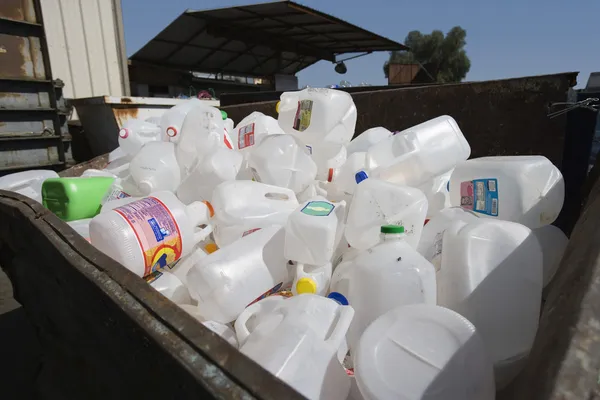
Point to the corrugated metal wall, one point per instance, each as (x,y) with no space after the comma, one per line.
(86,46)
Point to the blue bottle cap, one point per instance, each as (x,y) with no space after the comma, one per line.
(360,176)
(340,298)
(448,186)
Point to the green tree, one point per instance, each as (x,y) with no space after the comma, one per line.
(443,57)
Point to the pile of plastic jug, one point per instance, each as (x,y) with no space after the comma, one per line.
(384,266)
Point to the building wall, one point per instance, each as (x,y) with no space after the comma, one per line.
(86,46)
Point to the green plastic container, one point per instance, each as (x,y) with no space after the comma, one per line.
(75,198)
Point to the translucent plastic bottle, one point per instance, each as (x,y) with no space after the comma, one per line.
(437,193)
(220,166)
(253,129)
(376,203)
(223,330)
(171,121)
(312,279)
(420,153)
(313,231)
(389,275)
(367,139)
(317,115)
(327,157)
(423,352)
(298,340)
(27,183)
(491,273)
(525,189)
(242,207)
(169,286)
(225,282)
(281,160)
(75,198)
(154,168)
(135,133)
(553,243)
(150,233)
(343,178)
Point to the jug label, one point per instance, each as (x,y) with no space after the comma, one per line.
(156,231)
(303,115)
(153,276)
(114,193)
(480,195)
(250,231)
(318,208)
(269,292)
(246,136)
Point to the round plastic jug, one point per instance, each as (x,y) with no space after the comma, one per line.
(386,276)
(27,183)
(298,340)
(432,238)
(220,166)
(171,121)
(150,233)
(169,286)
(220,329)
(135,133)
(437,193)
(154,168)
(491,273)
(242,207)
(423,352)
(82,227)
(377,203)
(553,243)
(317,115)
(344,177)
(253,129)
(312,279)
(526,189)
(313,231)
(225,282)
(418,154)
(367,139)
(281,160)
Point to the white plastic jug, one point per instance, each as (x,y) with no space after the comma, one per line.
(253,129)
(97,172)
(386,276)
(119,167)
(313,231)
(117,190)
(431,244)
(220,166)
(181,267)
(418,154)
(525,189)
(223,330)
(281,160)
(367,139)
(437,193)
(242,207)
(231,278)
(344,177)
(154,168)
(327,156)
(376,203)
(169,286)
(150,233)
(553,243)
(492,275)
(298,340)
(423,352)
(135,133)
(116,154)
(171,121)
(315,115)
(27,183)
(312,279)
(82,227)
(115,203)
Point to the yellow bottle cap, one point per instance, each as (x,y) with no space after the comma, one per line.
(211,248)
(306,285)
(277,107)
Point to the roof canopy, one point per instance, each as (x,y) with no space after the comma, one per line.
(281,37)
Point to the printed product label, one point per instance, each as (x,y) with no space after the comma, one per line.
(226,140)
(250,231)
(246,136)
(309,148)
(153,276)
(318,208)
(303,115)
(114,193)
(480,195)
(269,292)
(156,231)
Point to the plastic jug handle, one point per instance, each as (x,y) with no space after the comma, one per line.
(338,335)
(264,306)
(202,234)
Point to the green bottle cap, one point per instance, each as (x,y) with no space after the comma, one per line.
(223,115)
(392,229)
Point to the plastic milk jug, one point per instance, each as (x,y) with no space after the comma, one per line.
(327,156)
(225,282)
(312,279)
(367,139)
(418,154)
(253,129)
(317,115)
(169,286)
(344,177)
(116,154)
(492,275)
(553,243)
(437,193)
(243,207)
(281,160)
(27,183)
(154,168)
(220,329)
(525,189)
(135,134)
(171,121)
(423,352)
(150,233)
(313,231)
(297,340)
(386,276)
(376,203)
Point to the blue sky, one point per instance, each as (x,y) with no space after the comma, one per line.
(505,38)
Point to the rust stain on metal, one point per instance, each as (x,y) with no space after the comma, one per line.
(124,114)
(20,10)
(126,100)
(15,59)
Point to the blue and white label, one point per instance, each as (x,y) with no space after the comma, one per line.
(480,196)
